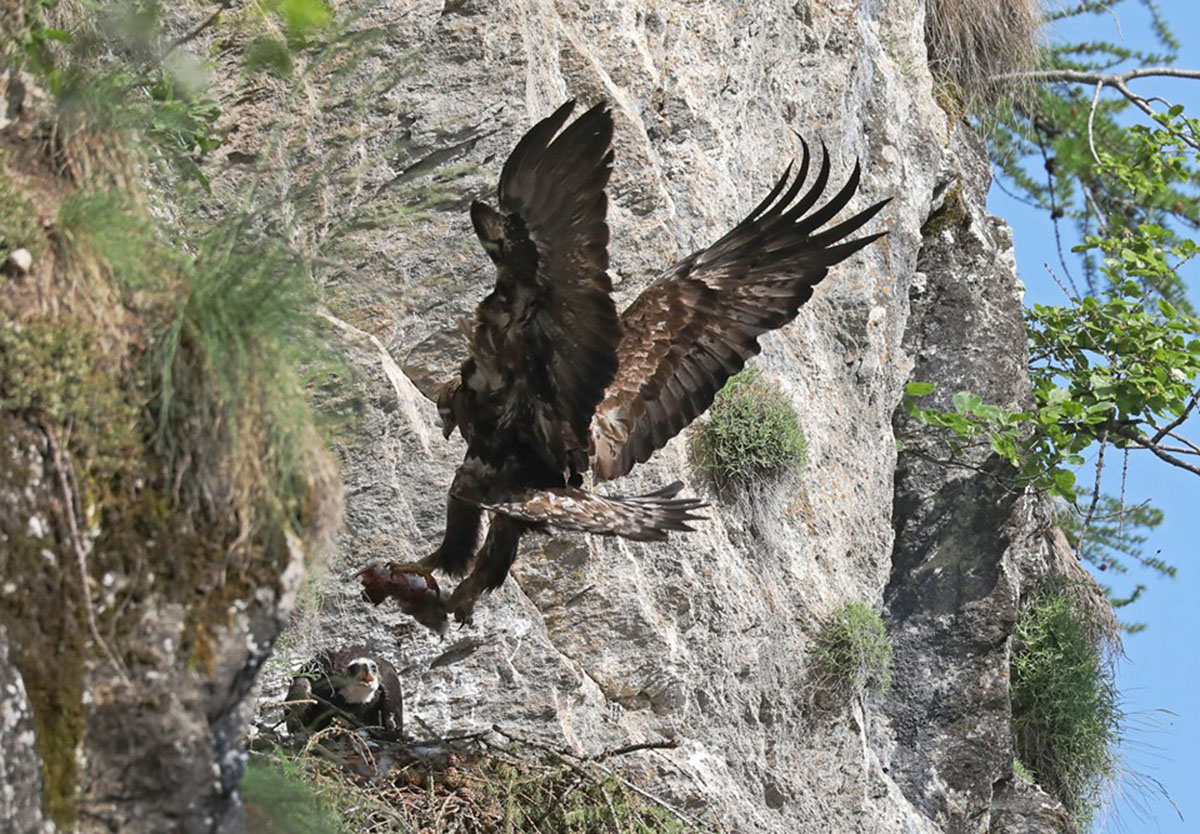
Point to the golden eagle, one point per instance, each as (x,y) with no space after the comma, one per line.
(351,682)
(557,383)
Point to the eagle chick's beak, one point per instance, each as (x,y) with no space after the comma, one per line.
(367,677)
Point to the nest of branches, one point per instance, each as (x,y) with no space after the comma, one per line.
(362,781)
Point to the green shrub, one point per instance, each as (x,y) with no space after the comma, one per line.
(1066,718)
(751,431)
(853,652)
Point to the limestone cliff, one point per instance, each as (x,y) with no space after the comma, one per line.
(594,643)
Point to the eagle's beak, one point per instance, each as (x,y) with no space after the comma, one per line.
(367,677)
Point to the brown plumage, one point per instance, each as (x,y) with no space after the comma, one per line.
(556,382)
(699,322)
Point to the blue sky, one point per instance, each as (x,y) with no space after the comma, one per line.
(1160,671)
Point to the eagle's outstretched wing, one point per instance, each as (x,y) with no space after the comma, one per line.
(699,322)
(544,346)
(646,517)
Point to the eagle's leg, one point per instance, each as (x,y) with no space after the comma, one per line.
(459,541)
(491,566)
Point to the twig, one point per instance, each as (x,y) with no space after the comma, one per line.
(1009,486)
(1195,450)
(1055,211)
(1178,421)
(359,745)
(632,748)
(1180,450)
(1087,519)
(195,33)
(1121,506)
(60,467)
(1092,122)
(1156,450)
(564,755)
(686,817)
(1085,77)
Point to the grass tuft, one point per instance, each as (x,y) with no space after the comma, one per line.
(752,431)
(231,402)
(978,49)
(853,653)
(1065,708)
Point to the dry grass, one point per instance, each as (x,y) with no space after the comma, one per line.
(475,784)
(979,48)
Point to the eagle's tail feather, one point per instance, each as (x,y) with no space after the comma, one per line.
(648,517)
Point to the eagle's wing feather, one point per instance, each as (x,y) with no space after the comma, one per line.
(701,319)
(646,517)
(545,340)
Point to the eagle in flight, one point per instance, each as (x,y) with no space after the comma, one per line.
(557,383)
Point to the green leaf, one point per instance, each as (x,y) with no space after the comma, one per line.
(919,389)
(56,34)
(1064,481)
(965,401)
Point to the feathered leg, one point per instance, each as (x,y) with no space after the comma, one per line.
(460,539)
(491,566)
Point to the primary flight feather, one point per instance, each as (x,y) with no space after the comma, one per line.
(556,383)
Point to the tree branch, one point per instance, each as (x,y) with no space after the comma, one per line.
(1170,427)
(61,467)
(1119,81)
(1140,442)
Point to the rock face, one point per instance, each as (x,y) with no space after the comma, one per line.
(20,767)
(594,644)
(967,543)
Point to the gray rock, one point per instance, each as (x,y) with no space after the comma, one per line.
(20,767)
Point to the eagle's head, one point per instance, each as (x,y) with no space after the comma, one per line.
(362,682)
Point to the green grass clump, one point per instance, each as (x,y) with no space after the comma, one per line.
(1065,711)
(853,652)
(229,362)
(752,431)
(1022,772)
(283,798)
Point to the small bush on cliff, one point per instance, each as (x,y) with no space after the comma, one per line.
(853,652)
(1066,718)
(751,431)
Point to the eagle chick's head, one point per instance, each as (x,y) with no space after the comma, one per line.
(363,681)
